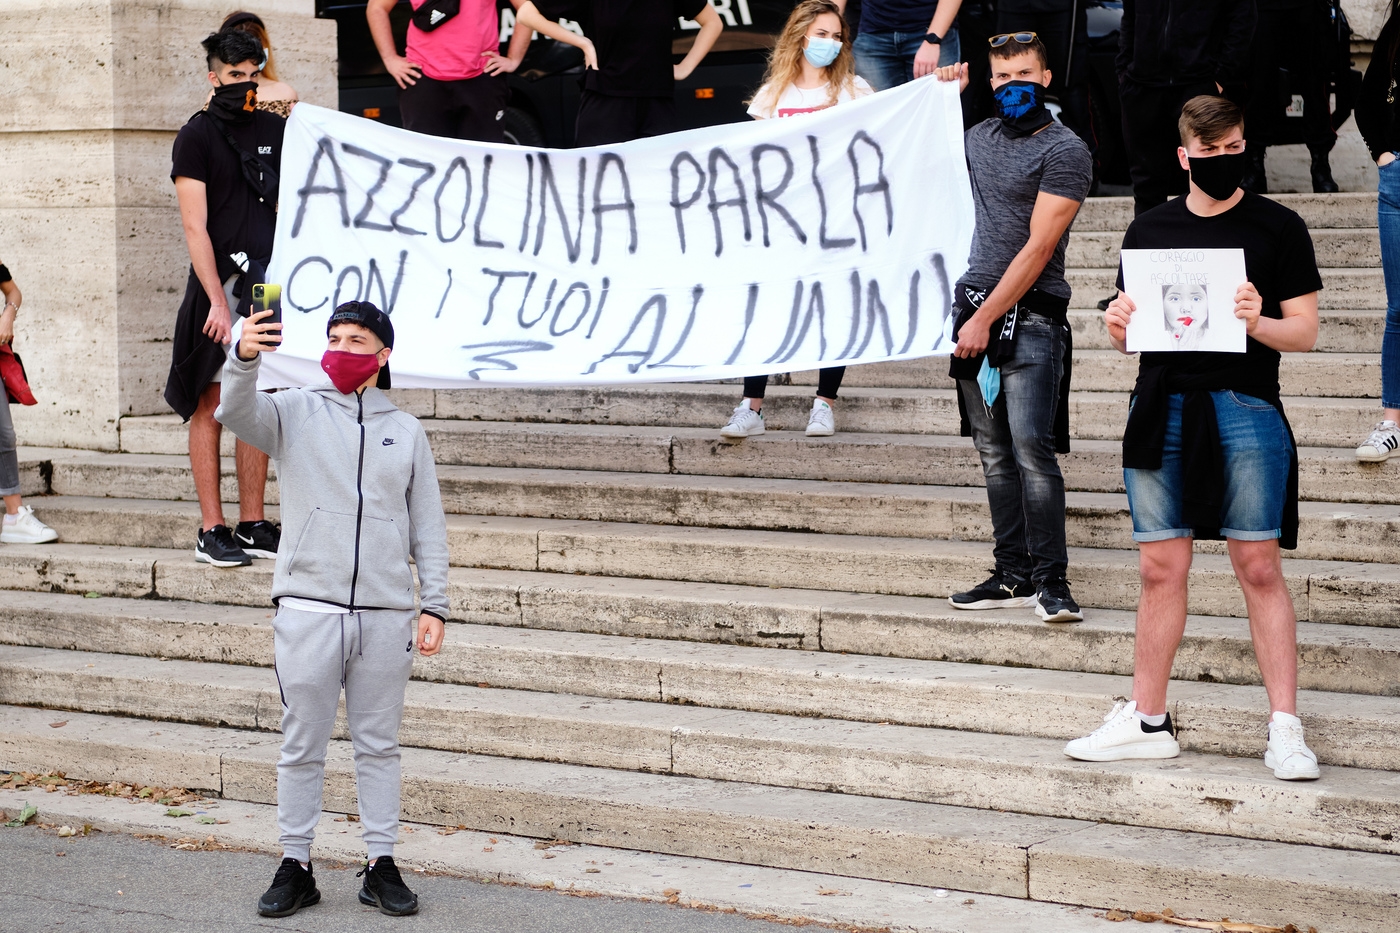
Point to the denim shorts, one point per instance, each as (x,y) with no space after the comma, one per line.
(1258,457)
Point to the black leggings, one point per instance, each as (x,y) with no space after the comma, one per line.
(828,383)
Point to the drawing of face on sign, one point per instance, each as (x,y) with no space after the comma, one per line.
(1186,309)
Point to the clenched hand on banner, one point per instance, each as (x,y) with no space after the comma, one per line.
(779,245)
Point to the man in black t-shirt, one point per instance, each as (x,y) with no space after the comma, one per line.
(629,81)
(1207,452)
(224,166)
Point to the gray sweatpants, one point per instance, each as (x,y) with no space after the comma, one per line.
(371,654)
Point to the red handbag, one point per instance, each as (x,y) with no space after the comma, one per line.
(16,382)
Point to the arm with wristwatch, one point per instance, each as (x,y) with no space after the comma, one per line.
(945,17)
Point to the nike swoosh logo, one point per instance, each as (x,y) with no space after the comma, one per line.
(388,442)
(245,540)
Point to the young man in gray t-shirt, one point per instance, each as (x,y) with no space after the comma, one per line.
(1011,363)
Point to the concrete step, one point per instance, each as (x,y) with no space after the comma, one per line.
(1325,375)
(1009,854)
(782,895)
(1008,772)
(1346,726)
(1327,530)
(1325,475)
(1316,422)
(1319,211)
(1342,289)
(1346,248)
(1323,591)
(1339,331)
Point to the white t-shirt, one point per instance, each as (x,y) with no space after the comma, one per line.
(797,100)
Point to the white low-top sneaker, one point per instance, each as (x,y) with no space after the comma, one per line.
(1124,735)
(745,422)
(26,529)
(822,421)
(1384,439)
(1288,755)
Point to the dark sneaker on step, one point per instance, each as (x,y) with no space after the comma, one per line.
(384,888)
(293,888)
(1053,603)
(258,539)
(999,591)
(217,546)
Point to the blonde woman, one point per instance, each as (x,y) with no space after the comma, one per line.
(811,69)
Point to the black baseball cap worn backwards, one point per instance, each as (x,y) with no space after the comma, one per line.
(366,315)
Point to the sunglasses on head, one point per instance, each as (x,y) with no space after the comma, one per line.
(1023,38)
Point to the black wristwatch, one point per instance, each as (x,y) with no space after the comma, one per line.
(933,38)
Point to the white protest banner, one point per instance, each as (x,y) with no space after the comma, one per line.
(743,249)
(1185,299)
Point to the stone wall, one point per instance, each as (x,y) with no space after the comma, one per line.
(1366,16)
(88,220)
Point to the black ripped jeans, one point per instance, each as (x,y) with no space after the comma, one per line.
(828,383)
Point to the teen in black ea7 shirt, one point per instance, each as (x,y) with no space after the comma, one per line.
(1278,260)
(238,222)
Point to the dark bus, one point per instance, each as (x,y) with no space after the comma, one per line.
(545,88)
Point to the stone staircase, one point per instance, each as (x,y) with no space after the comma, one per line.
(743,652)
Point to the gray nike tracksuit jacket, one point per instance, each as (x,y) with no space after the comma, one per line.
(359,492)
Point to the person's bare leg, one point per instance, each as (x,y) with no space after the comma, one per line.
(252,481)
(12,504)
(755,404)
(205,434)
(1272,622)
(829,401)
(1161,620)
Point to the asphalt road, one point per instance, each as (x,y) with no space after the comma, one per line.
(112,883)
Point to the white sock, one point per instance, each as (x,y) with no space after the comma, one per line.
(1151,720)
(1282,718)
(11,519)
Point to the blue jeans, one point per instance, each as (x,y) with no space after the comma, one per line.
(886,59)
(1016,441)
(1258,457)
(1388,219)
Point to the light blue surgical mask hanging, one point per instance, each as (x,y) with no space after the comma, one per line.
(989,381)
(821,51)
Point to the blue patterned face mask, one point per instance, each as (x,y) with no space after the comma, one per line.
(1021,107)
(989,381)
(821,52)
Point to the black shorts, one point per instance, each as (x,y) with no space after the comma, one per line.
(473,108)
(604,119)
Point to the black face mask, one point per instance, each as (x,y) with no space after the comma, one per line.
(234,103)
(1218,176)
(1021,107)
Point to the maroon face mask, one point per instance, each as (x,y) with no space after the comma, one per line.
(349,370)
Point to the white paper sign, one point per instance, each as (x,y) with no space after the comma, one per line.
(766,246)
(1185,299)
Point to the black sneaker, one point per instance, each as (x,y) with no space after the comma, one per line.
(384,888)
(999,591)
(217,546)
(293,888)
(259,539)
(1054,604)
